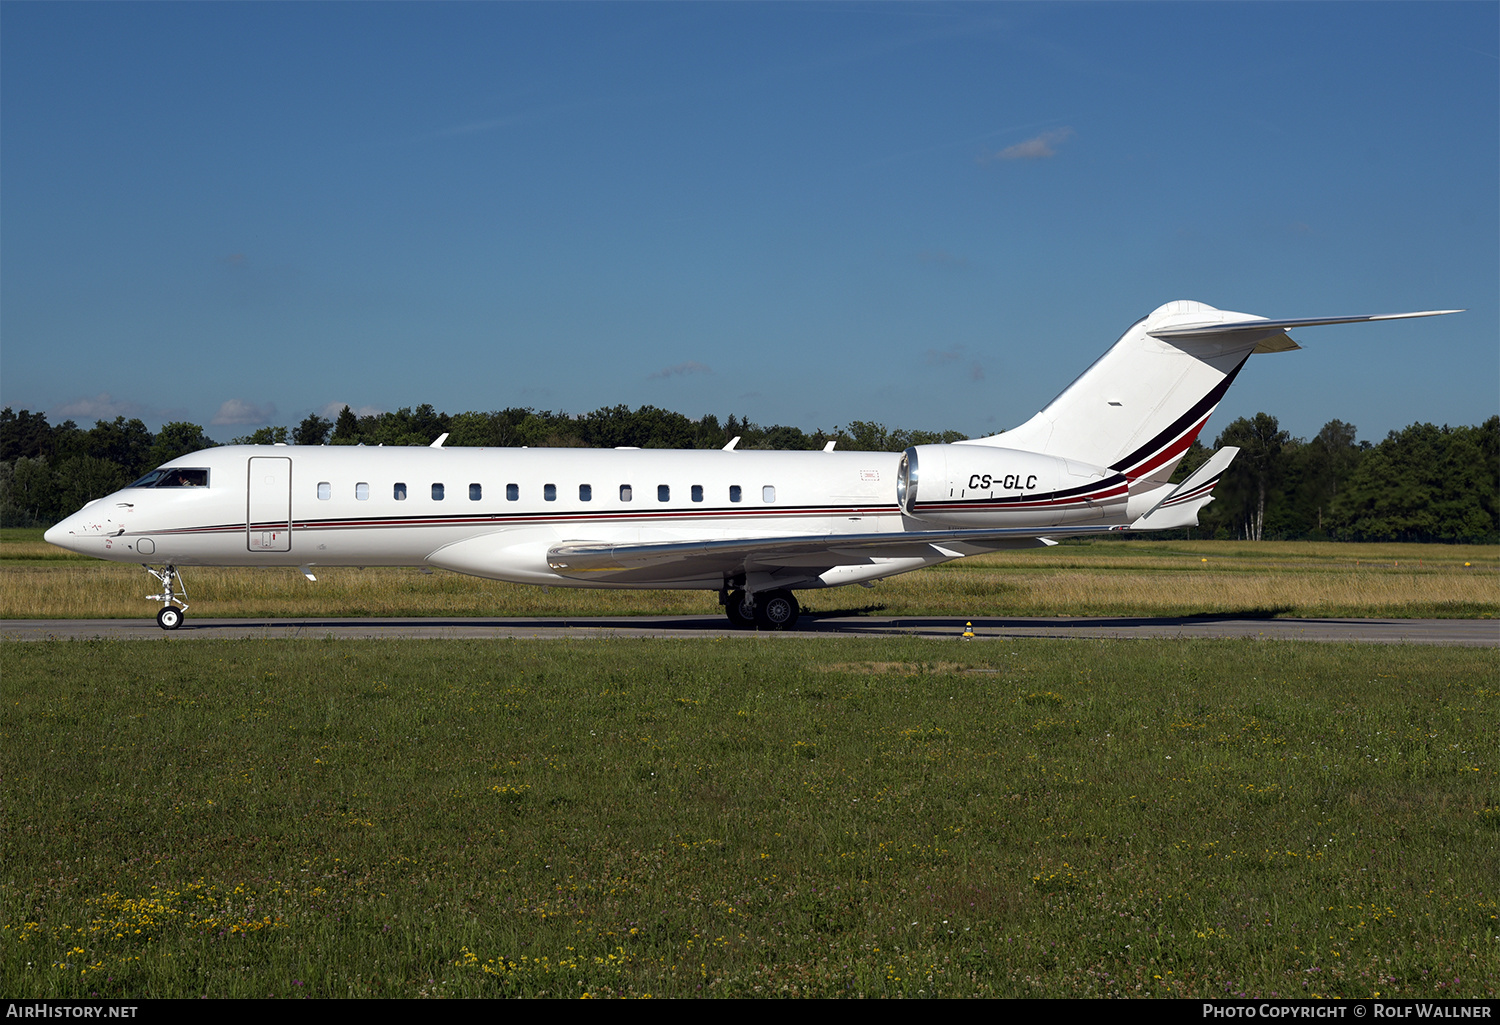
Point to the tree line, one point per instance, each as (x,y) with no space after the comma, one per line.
(48,471)
(1423,483)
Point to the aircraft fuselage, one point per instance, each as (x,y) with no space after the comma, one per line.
(753,525)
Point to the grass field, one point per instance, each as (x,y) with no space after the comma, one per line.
(1151,578)
(742,817)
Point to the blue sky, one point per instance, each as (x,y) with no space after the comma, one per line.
(929,215)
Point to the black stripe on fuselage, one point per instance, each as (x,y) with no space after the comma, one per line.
(532,519)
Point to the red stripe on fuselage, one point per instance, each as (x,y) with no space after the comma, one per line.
(500,520)
(1171,453)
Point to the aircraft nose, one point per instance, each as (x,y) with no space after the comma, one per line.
(57,535)
(74,534)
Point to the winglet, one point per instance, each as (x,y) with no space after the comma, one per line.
(1181,506)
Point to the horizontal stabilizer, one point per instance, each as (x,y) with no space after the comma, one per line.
(1257,324)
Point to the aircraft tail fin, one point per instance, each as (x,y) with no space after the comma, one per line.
(1139,407)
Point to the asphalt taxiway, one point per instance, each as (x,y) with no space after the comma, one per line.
(1463,632)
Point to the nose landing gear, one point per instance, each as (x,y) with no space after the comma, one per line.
(173,597)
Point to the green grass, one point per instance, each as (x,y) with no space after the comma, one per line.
(751,816)
(1094,578)
(23,546)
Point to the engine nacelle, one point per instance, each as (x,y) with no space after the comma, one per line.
(986,486)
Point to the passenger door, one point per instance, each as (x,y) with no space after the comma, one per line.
(268,512)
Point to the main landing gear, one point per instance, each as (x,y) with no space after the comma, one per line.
(173,597)
(769,610)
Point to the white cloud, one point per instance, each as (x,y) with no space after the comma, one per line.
(1035,148)
(692,366)
(103,406)
(333,409)
(238,411)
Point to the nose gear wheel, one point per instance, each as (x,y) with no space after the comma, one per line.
(173,597)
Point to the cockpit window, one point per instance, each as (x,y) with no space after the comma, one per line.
(174,477)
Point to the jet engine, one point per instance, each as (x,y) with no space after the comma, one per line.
(988,486)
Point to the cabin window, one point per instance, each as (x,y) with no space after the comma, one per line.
(475,492)
(362,491)
(697,492)
(663,493)
(325,490)
(437,492)
(585,492)
(734,493)
(398,492)
(549,492)
(625,493)
(512,492)
(768,494)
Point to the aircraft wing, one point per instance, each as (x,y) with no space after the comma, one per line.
(671,560)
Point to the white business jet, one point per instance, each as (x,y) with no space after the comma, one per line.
(753,526)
